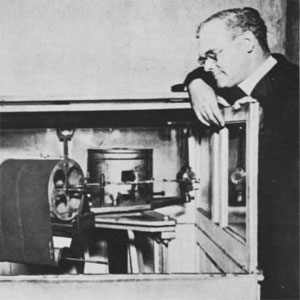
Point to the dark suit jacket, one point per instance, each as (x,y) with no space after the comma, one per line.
(278,195)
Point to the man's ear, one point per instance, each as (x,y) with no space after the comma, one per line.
(249,41)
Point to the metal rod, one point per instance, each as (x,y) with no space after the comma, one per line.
(86,260)
(143,182)
(66,150)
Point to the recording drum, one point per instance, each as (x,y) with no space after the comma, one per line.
(33,193)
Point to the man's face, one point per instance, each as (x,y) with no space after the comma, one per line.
(221,55)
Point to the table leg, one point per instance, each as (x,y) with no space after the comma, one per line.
(133,256)
(161,260)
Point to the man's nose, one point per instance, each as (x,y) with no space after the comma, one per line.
(209,64)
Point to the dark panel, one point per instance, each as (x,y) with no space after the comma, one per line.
(25,227)
(292,31)
(88,119)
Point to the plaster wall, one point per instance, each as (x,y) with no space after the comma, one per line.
(83,49)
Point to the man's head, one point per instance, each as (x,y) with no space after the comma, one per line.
(232,43)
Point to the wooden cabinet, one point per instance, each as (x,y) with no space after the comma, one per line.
(218,232)
(214,254)
(226,214)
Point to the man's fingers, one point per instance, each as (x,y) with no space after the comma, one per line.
(237,105)
(204,102)
(202,120)
(202,111)
(210,116)
(222,101)
(215,117)
(219,117)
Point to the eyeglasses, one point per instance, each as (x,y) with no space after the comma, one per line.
(212,55)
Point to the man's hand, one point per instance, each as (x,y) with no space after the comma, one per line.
(237,104)
(205,103)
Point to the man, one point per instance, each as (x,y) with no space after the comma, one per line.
(236,65)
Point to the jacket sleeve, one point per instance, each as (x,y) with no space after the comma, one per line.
(200,73)
(229,94)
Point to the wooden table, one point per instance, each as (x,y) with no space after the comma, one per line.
(159,227)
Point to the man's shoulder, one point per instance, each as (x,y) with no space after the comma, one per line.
(285,69)
(280,86)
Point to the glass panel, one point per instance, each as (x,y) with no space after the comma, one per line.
(205,164)
(237,179)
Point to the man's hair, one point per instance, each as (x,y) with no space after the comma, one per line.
(239,20)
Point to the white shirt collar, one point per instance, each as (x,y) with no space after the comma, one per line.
(250,82)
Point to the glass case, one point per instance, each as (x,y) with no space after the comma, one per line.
(199,232)
(227,202)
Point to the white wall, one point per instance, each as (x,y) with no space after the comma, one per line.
(79,49)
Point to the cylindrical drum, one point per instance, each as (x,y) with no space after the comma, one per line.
(32,191)
(123,174)
(33,180)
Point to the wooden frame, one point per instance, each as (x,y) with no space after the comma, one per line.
(217,250)
(222,246)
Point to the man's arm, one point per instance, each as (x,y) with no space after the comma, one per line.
(206,97)
(201,86)
(205,103)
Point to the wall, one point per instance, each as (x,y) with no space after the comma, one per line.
(167,144)
(292,31)
(86,49)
